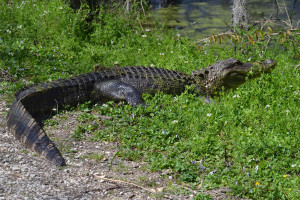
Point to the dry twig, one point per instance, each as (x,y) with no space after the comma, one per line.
(124,182)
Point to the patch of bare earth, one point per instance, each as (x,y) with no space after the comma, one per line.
(4,76)
(24,175)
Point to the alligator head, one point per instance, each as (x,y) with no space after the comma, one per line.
(230,73)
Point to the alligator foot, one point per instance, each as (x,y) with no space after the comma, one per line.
(117,91)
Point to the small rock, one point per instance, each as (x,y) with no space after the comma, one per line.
(16,168)
(166,172)
(78,164)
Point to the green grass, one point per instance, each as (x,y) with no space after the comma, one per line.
(247,140)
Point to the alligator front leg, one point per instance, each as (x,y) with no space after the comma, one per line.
(117,91)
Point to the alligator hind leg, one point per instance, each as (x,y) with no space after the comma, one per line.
(117,91)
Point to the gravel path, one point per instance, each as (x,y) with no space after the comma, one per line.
(24,175)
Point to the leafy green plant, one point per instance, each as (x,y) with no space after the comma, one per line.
(202,197)
(96,156)
(81,131)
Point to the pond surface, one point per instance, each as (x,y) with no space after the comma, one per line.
(201,18)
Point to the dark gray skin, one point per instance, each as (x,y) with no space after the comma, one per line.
(117,84)
(117,90)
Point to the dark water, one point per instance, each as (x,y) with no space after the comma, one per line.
(201,18)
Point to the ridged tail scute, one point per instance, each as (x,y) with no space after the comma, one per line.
(28,131)
(33,102)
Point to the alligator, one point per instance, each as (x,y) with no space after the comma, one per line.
(117,84)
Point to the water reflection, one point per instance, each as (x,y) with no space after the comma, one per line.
(201,18)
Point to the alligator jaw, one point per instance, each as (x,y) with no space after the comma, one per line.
(251,70)
(231,73)
(240,73)
(266,66)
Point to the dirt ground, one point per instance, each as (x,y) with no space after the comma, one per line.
(24,175)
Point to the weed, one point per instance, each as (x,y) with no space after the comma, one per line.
(202,196)
(98,157)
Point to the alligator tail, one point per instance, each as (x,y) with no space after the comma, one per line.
(33,102)
(29,132)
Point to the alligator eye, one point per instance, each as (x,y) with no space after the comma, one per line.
(234,64)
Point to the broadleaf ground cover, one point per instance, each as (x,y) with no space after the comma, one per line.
(247,139)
